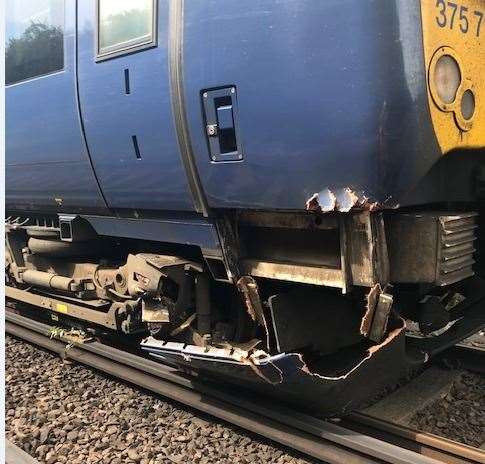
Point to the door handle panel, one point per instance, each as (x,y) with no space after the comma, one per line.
(222,129)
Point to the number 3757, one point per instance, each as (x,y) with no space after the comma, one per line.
(454,16)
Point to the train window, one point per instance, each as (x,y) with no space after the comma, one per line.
(125,26)
(34,40)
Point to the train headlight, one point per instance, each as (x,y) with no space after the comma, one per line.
(447,78)
(467,104)
(451,88)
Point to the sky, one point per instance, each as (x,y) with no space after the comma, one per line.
(21,13)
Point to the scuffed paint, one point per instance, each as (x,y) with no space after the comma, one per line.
(340,199)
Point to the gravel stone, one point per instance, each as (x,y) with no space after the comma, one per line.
(460,415)
(62,412)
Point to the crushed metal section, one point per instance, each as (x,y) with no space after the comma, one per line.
(340,199)
(288,376)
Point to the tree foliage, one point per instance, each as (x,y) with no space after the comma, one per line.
(125,26)
(39,50)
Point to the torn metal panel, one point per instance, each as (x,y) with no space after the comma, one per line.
(328,388)
(377,312)
(340,199)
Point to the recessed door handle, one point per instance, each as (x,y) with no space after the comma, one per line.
(220,107)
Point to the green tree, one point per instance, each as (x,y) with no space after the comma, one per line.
(125,26)
(39,50)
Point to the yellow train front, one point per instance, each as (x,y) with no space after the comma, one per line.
(289,195)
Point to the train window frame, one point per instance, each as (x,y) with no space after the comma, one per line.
(49,73)
(124,48)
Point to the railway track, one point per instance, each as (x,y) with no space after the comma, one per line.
(467,357)
(357,439)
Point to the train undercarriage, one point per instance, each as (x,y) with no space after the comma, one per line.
(314,308)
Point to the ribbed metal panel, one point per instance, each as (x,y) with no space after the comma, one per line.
(455,256)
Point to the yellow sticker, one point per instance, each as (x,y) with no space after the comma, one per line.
(456,29)
(62,308)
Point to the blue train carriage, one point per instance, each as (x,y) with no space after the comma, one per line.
(261,191)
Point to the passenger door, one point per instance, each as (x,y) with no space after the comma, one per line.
(47,165)
(126,106)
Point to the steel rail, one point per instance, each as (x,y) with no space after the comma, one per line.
(467,357)
(426,444)
(312,436)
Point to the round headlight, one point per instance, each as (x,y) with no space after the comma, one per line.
(447,78)
(467,104)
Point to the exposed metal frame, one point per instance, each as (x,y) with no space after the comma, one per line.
(130,46)
(315,275)
(106,319)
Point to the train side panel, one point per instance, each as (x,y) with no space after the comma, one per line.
(329,95)
(47,164)
(127,112)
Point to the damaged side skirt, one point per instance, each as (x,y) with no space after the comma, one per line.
(333,390)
